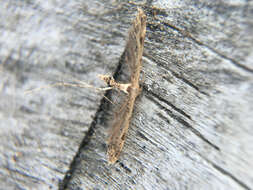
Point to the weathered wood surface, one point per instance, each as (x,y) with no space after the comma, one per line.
(191,128)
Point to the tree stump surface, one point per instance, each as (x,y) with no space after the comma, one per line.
(191,126)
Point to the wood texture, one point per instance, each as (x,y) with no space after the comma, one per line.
(191,127)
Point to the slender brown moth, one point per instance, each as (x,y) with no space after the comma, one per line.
(133,58)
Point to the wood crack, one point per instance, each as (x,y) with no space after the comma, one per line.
(175,74)
(188,82)
(222,55)
(180,120)
(225,172)
(168,103)
(22,173)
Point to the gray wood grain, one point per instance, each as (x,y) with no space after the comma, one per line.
(43,43)
(191,128)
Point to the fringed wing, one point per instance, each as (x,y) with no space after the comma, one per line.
(134,51)
(134,47)
(119,130)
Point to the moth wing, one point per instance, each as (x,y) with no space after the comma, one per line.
(134,47)
(119,118)
(117,135)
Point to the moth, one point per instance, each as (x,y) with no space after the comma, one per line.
(133,58)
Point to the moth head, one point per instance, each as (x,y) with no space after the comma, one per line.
(107,79)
